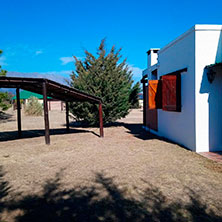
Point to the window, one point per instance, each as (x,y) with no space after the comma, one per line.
(155,95)
(171,92)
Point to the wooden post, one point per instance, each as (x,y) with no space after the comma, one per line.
(144,104)
(49,105)
(46,117)
(67,116)
(18,113)
(101,120)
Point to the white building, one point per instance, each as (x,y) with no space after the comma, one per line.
(184,104)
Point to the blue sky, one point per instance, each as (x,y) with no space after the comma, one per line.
(42,36)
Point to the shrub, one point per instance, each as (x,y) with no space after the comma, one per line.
(33,108)
(5,101)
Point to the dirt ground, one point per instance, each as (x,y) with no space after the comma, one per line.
(129,175)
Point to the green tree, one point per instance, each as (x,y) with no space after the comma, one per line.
(5,97)
(107,77)
(2,72)
(134,93)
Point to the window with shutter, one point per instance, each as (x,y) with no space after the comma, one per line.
(151,115)
(171,92)
(155,94)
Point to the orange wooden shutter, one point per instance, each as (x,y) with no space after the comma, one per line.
(171,92)
(155,94)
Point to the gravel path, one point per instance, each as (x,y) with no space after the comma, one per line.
(129,175)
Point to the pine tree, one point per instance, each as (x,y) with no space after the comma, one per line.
(104,76)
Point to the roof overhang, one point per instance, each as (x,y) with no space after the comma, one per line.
(54,89)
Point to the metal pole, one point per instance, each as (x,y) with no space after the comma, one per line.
(18,113)
(101,120)
(67,116)
(46,116)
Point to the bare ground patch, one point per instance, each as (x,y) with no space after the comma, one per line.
(129,175)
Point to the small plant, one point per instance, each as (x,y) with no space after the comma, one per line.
(5,101)
(33,108)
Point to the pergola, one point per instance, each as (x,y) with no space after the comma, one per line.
(53,89)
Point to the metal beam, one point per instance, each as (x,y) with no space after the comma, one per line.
(101,120)
(18,113)
(46,116)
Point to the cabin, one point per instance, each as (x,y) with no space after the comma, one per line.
(182,88)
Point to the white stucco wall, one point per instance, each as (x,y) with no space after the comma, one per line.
(199,125)
(179,54)
(208,50)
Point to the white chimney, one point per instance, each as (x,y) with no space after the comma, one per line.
(152,57)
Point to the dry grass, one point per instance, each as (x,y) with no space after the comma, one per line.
(127,176)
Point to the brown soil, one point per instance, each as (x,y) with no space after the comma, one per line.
(130,175)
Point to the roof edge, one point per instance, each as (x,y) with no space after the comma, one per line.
(197,27)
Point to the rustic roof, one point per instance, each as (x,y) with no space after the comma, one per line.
(54,89)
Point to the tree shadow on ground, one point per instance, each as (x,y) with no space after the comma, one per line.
(13,135)
(4,190)
(136,129)
(105,201)
(133,128)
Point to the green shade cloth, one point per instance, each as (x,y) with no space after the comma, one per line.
(24,94)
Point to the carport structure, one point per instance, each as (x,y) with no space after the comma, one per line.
(52,89)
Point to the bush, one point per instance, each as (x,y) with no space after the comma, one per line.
(5,101)
(33,108)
